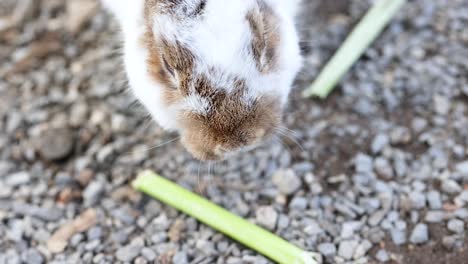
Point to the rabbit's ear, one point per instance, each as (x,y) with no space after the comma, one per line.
(264,26)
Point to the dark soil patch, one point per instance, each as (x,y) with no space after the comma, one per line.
(431,253)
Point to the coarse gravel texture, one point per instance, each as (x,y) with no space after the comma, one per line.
(378,172)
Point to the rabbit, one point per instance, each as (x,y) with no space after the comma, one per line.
(217,72)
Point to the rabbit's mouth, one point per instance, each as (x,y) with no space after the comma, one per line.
(218,153)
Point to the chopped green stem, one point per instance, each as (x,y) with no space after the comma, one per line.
(354,46)
(220,219)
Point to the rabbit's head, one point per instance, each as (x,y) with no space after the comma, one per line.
(218,72)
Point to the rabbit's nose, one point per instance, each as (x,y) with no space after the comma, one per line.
(203,152)
(206,155)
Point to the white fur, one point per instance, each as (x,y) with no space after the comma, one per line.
(219,41)
(194,103)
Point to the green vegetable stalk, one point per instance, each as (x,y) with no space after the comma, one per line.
(355,45)
(218,218)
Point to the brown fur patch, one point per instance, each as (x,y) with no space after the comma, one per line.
(157,71)
(232,125)
(167,59)
(264,25)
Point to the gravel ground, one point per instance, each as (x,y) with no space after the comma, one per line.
(376,173)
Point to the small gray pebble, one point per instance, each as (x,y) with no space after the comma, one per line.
(456,226)
(13,122)
(363,163)
(383,168)
(370,204)
(11,257)
(414,216)
(382,256)
(420,234)
(419,186)
(283,221)
(158,238)
(180,258)
(376,235)
(287,181)
(303,167)
(140,260)
(41,235)
(148,254)
(327,249)
(76,239)
(93,192)
(222,246)
(382,187)
(17,179)
(91,246)
(462,198)
(362,249)
(379,143)
(63,179)
(400,165)
(398,236)
(441,104)
(451,186)
(56,144)
(128,253)
(32,256)
(313,228)
(120,237)
(449,242)
(462,168)
(5,168)
(124,215)
(386,224)
(400,135)
(400,225)
(349,228)
(234,260)
(376,217)
(105,153)
(242,208)
(267,217)
(119,123)
(435,216)
(254,259)
(461,213)
(344,209)
(393,216)
(46,214)
(347,248)
(298,203)
(94,233)
(418,200)
(98,258)
(434,199)
(205,247)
